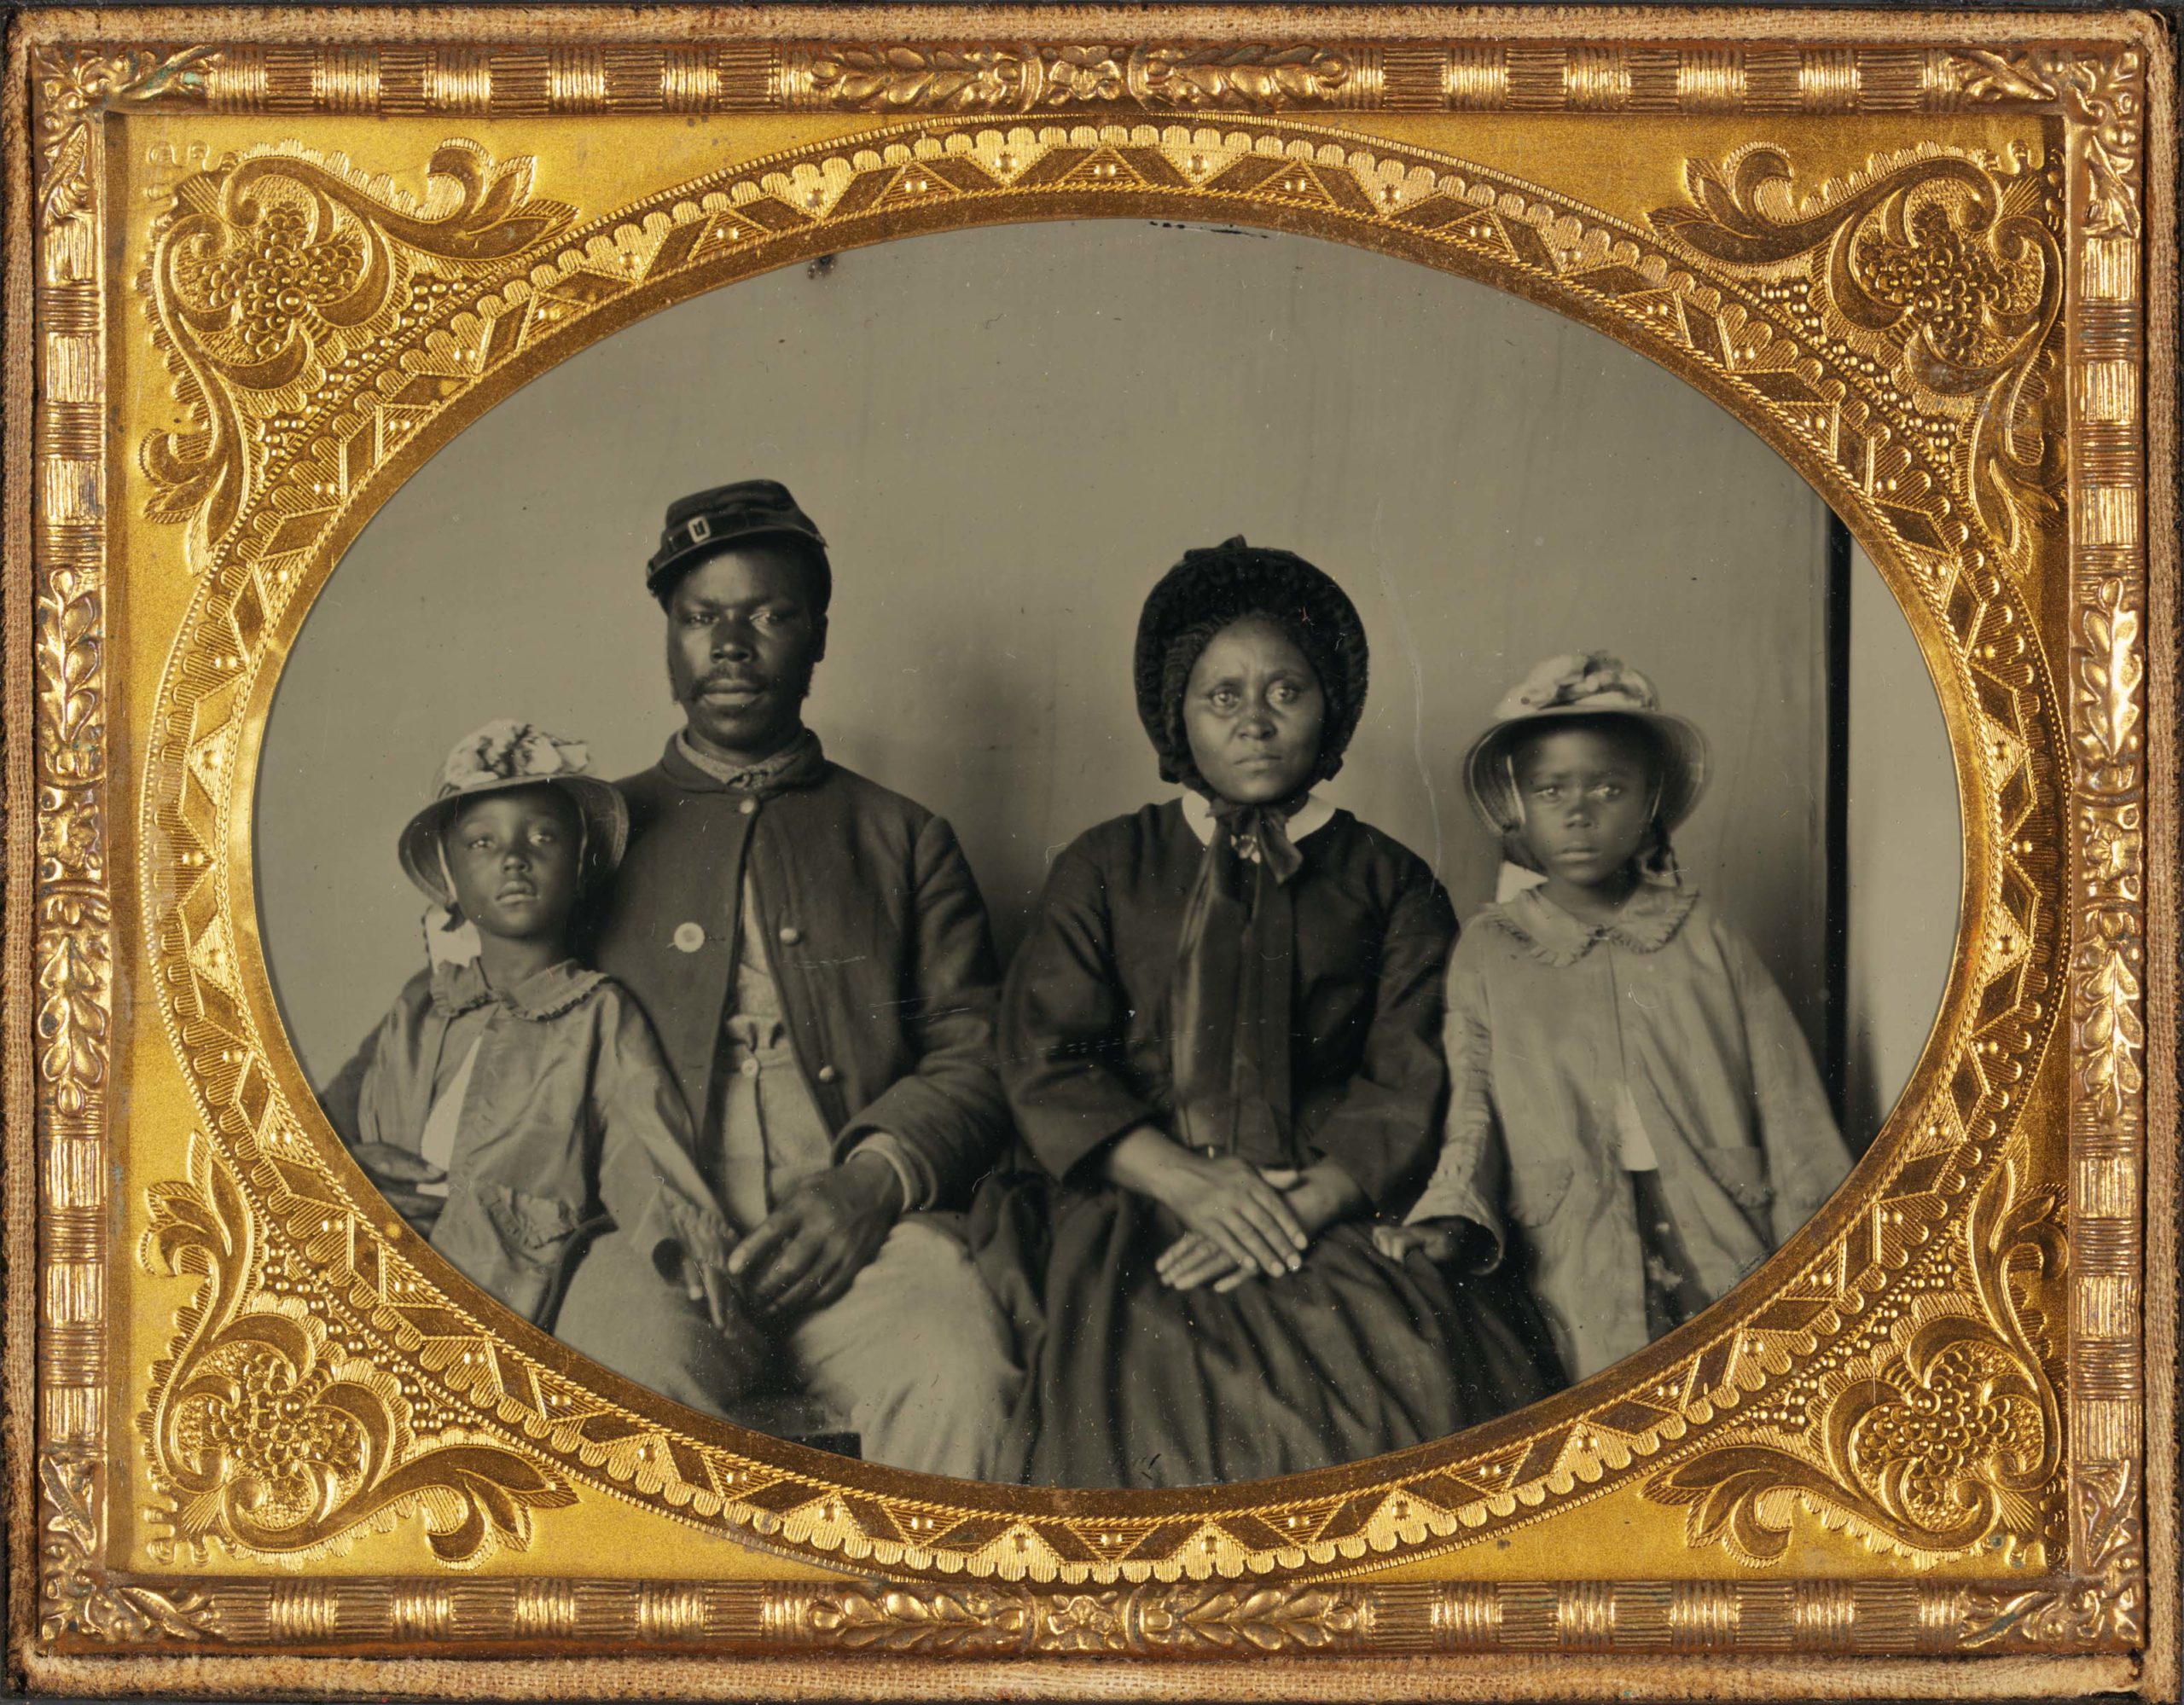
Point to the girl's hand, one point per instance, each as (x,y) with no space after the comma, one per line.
(1224,1200)
(401,1175)
(702,1282)
(1436,1240)
(1443,1242)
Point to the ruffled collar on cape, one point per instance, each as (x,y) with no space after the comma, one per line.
(459,987)
(1648,923)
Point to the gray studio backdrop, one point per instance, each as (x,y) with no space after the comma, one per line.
(1007,435)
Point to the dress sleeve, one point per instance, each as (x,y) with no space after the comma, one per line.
(1806,1156)
(342,1099)
(1470,1181)
(949,1113)
(1062,1024)
(1382,1129)
(649,1180)
(379,1096)
(363,1093)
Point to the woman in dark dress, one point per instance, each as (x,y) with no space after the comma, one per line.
(1221,1045)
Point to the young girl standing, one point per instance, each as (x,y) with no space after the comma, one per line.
(1626,1075)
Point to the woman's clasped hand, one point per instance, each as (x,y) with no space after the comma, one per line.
(1240,1222)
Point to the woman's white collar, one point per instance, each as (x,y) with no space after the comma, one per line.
(1315,814)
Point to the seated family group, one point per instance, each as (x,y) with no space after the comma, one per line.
(1246,1166)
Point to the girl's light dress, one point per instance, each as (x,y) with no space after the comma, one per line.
(566,1125)
(1562,1035)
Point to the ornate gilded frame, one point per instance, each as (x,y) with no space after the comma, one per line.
(262,263)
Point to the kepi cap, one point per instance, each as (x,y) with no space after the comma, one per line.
(709,521)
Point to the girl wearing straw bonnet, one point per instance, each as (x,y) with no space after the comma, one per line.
(1624,1071)
(513,1104)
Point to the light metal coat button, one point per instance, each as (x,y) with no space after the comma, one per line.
(828,1073)
(747,805)
(689,937)
(749,1068)
(790,935)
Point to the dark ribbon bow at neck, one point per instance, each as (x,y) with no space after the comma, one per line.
(1234,967)
(1259,834)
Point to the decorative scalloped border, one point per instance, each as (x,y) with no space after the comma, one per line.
(1817,388)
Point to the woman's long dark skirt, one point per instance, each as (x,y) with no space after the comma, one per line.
(1130,1383)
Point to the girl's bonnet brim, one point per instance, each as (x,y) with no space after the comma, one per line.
(605,827)
(1489,779)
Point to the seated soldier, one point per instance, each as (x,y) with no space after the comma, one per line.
(814,954)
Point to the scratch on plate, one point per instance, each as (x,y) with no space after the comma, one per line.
(1417,700)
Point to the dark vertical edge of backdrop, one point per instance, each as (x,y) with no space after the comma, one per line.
(1835,824)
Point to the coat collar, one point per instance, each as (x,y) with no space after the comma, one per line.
(462,987)
(800,765)
(1315,814)
(1647,922)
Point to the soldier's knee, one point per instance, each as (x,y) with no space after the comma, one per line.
(951,1336)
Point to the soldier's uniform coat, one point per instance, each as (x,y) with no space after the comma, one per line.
(878,951)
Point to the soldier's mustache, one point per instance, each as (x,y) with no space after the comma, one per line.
(732,681)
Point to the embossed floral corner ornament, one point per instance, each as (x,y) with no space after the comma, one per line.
(78,1598)
(276,1438)
(1948,269)
(2103,93)
(75,87)
(1931,1433)
(278,281)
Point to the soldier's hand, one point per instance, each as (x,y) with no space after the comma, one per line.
(804,1255)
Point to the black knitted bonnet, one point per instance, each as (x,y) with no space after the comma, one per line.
(1209,589)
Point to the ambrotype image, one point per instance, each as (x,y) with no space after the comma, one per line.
(1105,855)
